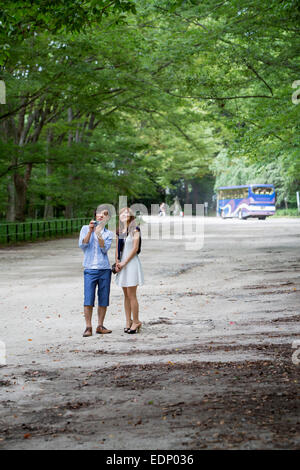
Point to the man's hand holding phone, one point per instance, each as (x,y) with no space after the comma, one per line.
(100,226)
(91,225)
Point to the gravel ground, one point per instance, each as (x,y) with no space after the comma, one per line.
(212,367)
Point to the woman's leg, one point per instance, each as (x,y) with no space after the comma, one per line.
(131,291)
(127,307)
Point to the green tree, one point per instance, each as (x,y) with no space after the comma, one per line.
(146,101)
(22,19)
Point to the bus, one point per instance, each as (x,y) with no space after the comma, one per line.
(250,200)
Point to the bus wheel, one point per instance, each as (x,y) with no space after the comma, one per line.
(262,218)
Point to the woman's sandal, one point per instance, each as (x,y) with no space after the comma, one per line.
(137,330)
(127,329)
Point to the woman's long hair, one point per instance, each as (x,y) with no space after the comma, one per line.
(122,225)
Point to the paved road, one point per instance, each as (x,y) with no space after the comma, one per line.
(219,323)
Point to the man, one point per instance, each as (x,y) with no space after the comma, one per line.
(95,241)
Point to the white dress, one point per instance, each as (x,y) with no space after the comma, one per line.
(132,274)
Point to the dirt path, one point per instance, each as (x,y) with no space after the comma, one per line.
(212,368)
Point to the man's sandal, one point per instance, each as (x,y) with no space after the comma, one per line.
(88,332)
(101,330)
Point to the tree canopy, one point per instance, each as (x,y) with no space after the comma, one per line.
(133,97)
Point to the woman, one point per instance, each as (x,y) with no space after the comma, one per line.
(129,268)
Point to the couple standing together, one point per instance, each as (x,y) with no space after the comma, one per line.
(95,241)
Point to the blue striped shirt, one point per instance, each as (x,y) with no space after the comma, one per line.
(95,257)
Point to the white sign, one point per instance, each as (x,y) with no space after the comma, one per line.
(295,95)
(2,354)
(2,92)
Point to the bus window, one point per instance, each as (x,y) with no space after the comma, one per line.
(262,190)
(234,193)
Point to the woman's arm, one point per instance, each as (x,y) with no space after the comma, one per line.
(117,254)
(136,239)
(117,249)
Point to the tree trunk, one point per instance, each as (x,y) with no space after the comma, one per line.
(21,191)
(48,209)
(69,212)
(187,193)
(17,130)
(195,192)
(11,204)
(69,207)
(21,186)
(32,212)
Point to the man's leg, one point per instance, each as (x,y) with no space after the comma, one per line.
(90,282)
(88,312)
(101,315)
(103,299)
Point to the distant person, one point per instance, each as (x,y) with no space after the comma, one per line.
(162,209)
(129,269)
(95,241)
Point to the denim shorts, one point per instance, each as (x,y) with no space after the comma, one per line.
(92,279)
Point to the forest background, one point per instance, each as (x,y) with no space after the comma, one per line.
(149,99)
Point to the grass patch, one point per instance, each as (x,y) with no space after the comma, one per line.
(287,213)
